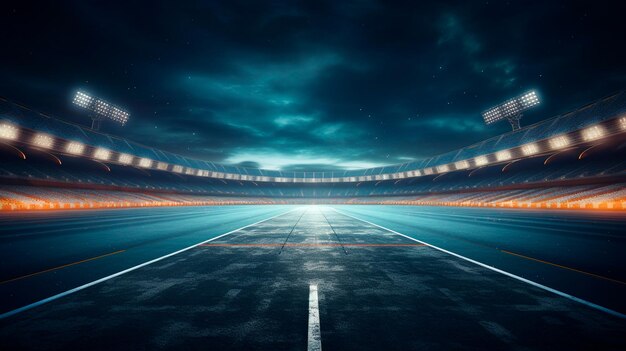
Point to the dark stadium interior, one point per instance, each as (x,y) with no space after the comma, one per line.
(313,175)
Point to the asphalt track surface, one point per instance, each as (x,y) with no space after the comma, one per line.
(254,288)
(46,253)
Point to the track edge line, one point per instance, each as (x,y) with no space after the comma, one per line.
(510,275)
(114,275)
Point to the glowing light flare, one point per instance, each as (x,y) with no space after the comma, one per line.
(177,169)
(102,154)
(75,148)
(443,168)
(559,142)
(8,131)
(83,100)
(481,160)
(593,133)
(43,140)
(162,166)
(530,149)
(145,162)
(503,155)
(125,159)
(461,164)
(622,123)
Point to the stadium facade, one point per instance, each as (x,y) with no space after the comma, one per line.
(574,160)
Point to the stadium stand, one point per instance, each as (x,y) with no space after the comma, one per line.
(577,160)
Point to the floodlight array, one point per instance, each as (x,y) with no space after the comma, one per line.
(8,131)
(593,133)
(102,154)
(145,162)
(559,142)
(481,160)
(503,155)
(530,149)
(43,140)
(83,100)
(529,99)
(125,159)
(511,107)
(75,148)
(461,164)
(101,107)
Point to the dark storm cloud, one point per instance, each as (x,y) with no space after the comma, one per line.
(310,85)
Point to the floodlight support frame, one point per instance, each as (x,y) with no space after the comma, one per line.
(515,121)
(96,120)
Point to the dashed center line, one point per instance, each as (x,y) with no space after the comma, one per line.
(315,336)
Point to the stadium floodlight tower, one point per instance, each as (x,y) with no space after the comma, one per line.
(511,109)
(100,109)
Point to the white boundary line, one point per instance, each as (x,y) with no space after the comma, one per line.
(78,288)
(315,335)
(541,286)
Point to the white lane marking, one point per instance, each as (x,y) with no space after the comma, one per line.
(541,286)
(78,288)
(315,336)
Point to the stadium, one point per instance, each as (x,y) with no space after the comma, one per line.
(510,242)
(572,161)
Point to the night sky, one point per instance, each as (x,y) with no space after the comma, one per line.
(311,85)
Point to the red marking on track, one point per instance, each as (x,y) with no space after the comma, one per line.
(311,245)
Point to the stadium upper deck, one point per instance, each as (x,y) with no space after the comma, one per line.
(589,124)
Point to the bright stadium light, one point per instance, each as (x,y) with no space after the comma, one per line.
(162,166)
(559,142)
(443,168)
(125,159)
(503,155)
(43,140)
(102,154)
(100,109)
(75,148)
(145,163)
(83,100)
(593,133)
(177,169)
(511,109)
(622,123)
(481,160)
(530,149)
(8,131)
(461,164)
